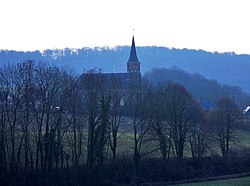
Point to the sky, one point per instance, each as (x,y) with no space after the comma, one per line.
(212,25)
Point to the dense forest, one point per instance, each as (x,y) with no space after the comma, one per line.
(61,128)
(226,68)
(207,92)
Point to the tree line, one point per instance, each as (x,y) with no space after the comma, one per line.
(204,90)
(212,65)
(54,120)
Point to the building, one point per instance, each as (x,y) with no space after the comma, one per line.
(133,67)
(246,113)
(131,78)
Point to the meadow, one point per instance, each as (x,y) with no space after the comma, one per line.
(244,181)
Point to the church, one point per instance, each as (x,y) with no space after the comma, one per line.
(133,66)
(132,78)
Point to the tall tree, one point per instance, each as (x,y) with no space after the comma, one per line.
(225,118)
(159,117)
(181,106)
(140,112)
(27,87)
(199,135)
(72,104)
(118,99)
(97,103)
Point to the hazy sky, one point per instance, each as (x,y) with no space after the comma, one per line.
(214,25)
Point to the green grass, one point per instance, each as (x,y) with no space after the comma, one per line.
(245,181)
(126,144)
(244,138)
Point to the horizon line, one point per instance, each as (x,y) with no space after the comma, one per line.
(117,46)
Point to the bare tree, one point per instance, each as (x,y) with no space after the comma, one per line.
(49,81)
(97,99)
(181,106)
(3,133)
(11,110)
(72,103)
(199,135)
(160,125)
(118,96)
(140,112)
(225,118)
(27,88)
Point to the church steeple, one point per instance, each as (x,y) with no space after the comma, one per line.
(133,55)
(133,64)
(133,67)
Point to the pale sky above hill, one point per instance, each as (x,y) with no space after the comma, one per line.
(213,25)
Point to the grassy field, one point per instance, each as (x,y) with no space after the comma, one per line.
(126,144)
(244,138)
(245,181)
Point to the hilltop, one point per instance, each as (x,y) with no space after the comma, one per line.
(227,68)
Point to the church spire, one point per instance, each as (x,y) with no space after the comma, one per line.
(133,67)
(133,64)
(133,55)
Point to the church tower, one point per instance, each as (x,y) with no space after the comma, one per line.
(133,66)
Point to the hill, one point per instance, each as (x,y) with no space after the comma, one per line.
(226,68)
(204,90)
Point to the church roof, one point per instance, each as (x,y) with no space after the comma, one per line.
(133,55)
(110,80)
(117,79)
